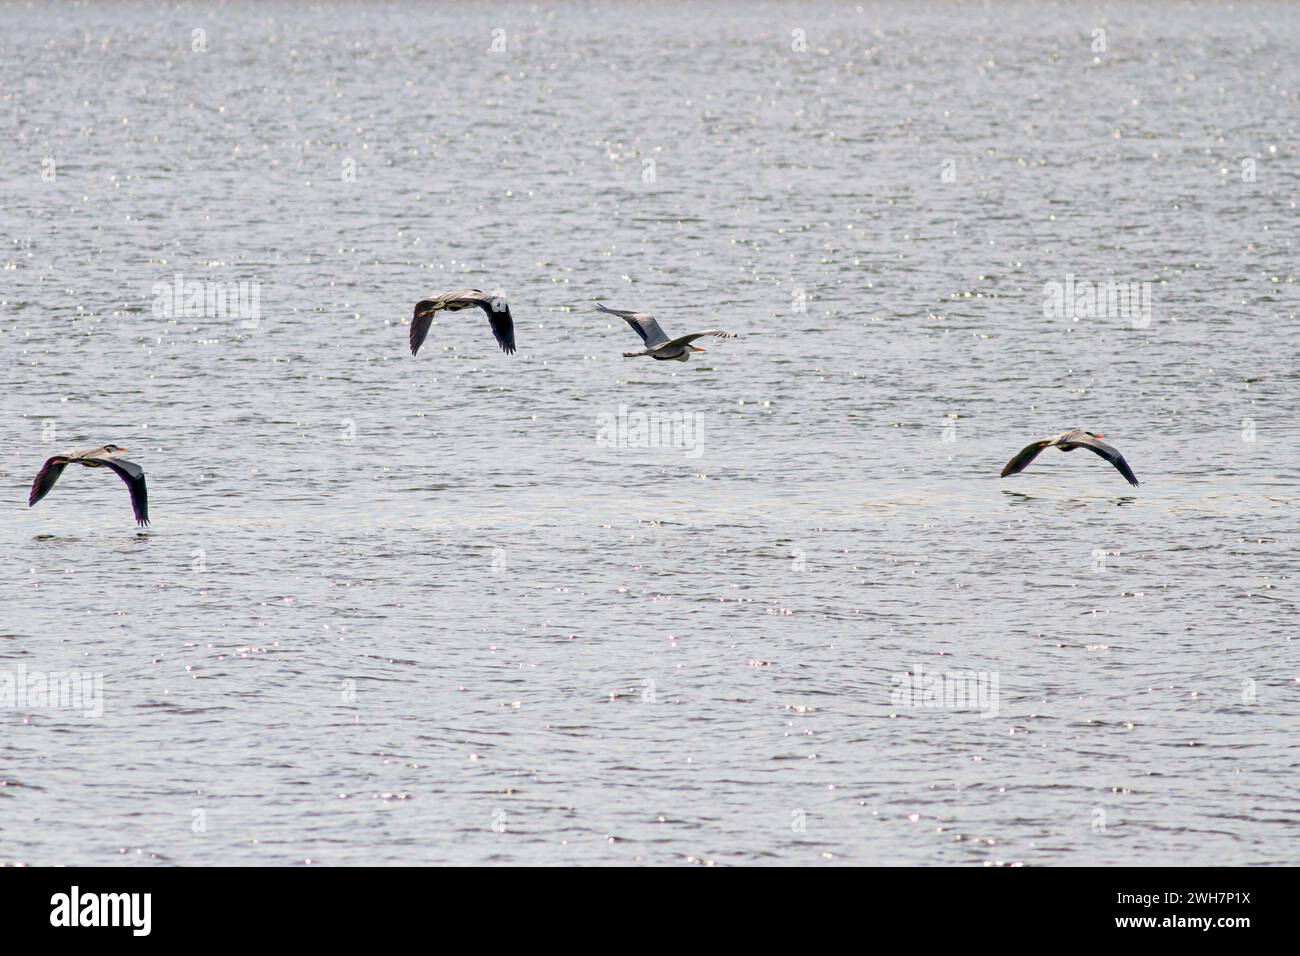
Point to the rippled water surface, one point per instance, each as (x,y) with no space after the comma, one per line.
(424,610)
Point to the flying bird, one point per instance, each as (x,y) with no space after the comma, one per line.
(1069,441)
(657,344)
(128,471)
(498,313)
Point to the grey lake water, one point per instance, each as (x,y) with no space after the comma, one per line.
(771,606)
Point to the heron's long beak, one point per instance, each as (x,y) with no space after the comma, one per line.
(1099,435)
(696,348)
(120,448)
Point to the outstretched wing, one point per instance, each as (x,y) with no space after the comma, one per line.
(133,475)
(688,339)
(1026,455)
(1110,454)
(646,325)
(420,329)
(46,477)
(503,326)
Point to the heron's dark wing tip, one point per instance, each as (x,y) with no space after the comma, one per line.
(139,501)
(419,330)
(133,475)
(45,479)
(503,325)
(1126,471)
(1113,456)
(1022,459)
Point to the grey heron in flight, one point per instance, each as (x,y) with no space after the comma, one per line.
(128,471)
(1069,441)
(498,313)
(657,344)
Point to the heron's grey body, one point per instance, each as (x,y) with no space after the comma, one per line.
(100,457)
(1069,441)
(657,344)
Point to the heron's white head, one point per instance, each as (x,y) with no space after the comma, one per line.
(113,449)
